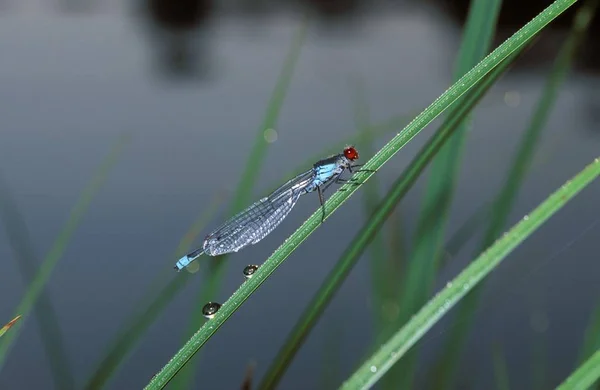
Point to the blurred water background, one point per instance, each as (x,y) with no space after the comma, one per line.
(190,82)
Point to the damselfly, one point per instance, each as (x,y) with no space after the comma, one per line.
(257,221)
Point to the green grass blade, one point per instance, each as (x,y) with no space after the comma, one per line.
(471,78)
(430,234)
(375,367)
(27,263)
(585,376)
(43,275)
(371,198)
(372,226)
(447,364)
(591,341)
(168,286)
(9,325)
(244,192)
(500,368)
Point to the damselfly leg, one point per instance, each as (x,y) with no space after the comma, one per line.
(322,200)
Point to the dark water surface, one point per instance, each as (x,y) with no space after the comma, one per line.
(71,83)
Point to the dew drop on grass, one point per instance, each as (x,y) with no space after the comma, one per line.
(249,270)
(210,309)
(373,369)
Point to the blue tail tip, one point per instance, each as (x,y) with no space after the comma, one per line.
(182,263)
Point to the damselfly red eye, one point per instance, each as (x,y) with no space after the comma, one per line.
(351,153)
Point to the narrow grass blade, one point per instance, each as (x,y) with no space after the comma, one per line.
(27,263)
(431,226)
(591,341)
(43,275)
(470,79)
(358,244)
(447,364)
(585,376)
(375,367)
(244,191)
(168,286)
(6,327)
(500,368)
(377,248)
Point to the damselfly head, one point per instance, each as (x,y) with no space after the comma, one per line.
(350,153)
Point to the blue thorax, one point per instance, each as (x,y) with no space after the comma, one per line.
(326,170)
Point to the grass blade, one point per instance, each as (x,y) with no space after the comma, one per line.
(448,362)
(371,198)
(500,368)
(585,376)
(10,324)
(470,79)
(372,226)
(430,234)
(376,366)
(52,258)
(27,263)
(592,336)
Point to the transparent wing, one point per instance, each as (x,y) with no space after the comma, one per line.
(257,221)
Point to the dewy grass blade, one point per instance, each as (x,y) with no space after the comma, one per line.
(376,162)
(376,366)
(431,227)
(358,244)
(377,248)
(585,376)
(446,367)
(43,275)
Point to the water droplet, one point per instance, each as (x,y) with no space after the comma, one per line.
(449,285)
(270,135)
(526,217)
(249,270)
(373,369)
(210,309)
(193,267)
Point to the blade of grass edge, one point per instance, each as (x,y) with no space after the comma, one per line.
(58,248)
(447,364)
(336,200)
(585,376)
(378,364)
(358,244)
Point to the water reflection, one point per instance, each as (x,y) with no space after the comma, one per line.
(179,31)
